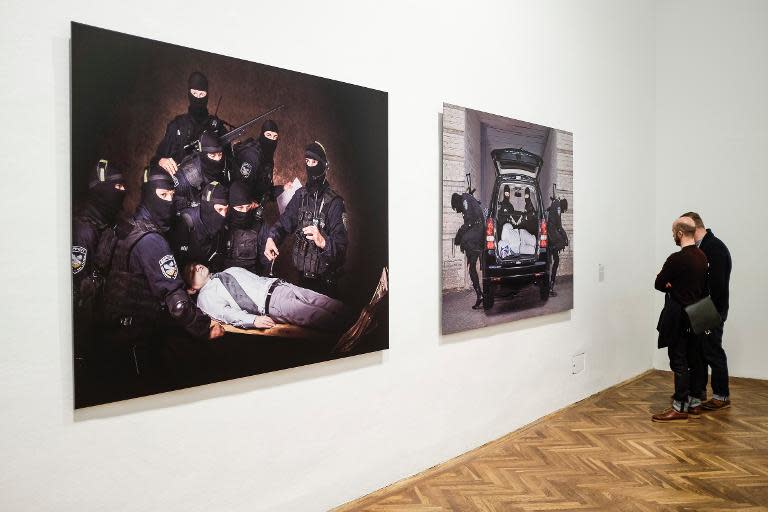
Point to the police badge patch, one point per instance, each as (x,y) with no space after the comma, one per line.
(79,255)
(168,266)
(246,169)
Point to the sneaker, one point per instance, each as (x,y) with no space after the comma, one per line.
(670,415)
(713,404)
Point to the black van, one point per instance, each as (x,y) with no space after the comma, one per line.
(515,254)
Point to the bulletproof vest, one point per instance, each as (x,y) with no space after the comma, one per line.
(192,131)
(91,286)
(242,247)
(254,169)
(128,298)
(306,255)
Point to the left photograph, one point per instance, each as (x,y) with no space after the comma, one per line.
(229,218)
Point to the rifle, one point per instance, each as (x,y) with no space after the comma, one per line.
(234,133)
(470,190)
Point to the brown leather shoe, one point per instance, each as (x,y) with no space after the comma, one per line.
(670,415)
(713,404)
(695,412)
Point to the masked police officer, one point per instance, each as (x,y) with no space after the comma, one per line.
(558,237)
(470,237)
(317,217)
(197,170)
(93,240)
(195,234)
(144,291)
(241,233)
(255,164)
(188,127)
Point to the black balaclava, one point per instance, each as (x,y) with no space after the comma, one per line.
(213,193)
(104,198)
(198,107)
(209,143)
(507,194)
(161,211)
(268,146)
(457,203)
(316,174)
(238,196)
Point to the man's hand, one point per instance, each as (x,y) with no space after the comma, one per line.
(312,233)
(169,164)
(270,250)
(216,331)
(263,322)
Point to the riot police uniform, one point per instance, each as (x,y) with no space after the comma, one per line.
(315,204)
(558,238)
(93,239)
(196,232)
(470,237)
(188,127)
(144,292)
(242,243)
(198,170)
(254,164)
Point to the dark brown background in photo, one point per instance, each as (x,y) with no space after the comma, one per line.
(126,89)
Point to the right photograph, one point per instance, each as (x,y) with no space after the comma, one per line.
(507,236)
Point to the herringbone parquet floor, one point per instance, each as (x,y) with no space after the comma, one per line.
(604,453)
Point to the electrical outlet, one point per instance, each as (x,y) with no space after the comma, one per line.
(600,272)
(577,363)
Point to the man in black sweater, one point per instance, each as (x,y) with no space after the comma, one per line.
(684,278)
(719,259)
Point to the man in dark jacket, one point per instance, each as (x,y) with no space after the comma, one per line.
(684,278)
(719,259)
(470,237)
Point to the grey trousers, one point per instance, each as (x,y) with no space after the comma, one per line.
(291,304)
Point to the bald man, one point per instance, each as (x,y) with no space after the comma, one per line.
(684,279)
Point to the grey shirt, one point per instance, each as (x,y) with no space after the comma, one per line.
(215,301)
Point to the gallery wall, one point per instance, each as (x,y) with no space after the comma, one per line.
(711,135)
(313,437)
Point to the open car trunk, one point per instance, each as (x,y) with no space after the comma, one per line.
(517,223)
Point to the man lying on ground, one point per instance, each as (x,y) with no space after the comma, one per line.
(238,297)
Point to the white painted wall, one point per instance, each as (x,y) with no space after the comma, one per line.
(712,152)
(314,437)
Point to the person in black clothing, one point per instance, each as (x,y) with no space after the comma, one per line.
(143,292)
(241,233)
(557,237)
(92,244)
(469,237)
(187,127)
(719,276)
(684,279)
(198,170)
(255,164)
(316,215)
(196,232)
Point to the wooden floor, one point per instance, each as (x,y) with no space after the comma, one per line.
(604,453)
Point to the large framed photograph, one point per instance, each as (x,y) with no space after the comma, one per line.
(507,237)
(228,218)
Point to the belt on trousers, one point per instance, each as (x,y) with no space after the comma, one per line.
(269,294)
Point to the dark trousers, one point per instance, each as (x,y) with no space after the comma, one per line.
(472,257)
(714,357)
(686,361)
(555,265)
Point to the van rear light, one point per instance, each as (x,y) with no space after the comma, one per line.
(543,234)
(490,240)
